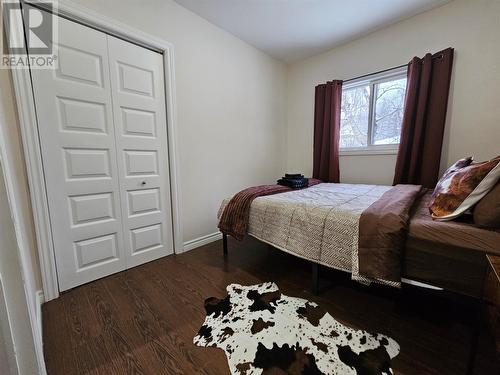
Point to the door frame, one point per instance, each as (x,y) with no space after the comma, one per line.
(31,143)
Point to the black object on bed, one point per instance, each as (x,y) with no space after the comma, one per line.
(293,180)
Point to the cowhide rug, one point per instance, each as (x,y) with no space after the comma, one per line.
(265,332)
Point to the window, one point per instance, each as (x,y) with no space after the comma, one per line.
(372,112)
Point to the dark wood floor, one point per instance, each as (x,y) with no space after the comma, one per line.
(142,321)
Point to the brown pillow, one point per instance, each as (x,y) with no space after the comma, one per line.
(443,181)
(460,189)
(487,211)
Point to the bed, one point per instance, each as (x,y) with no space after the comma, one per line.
(322,224)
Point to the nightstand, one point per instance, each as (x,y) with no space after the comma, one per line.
(492,297)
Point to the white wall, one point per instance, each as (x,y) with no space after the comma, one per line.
(230,106)
(17,186)
(17,329)
(10,142)
(473,121)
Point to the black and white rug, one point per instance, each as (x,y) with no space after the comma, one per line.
(265,332)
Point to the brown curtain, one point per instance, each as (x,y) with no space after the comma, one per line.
(424,118)
(327,131)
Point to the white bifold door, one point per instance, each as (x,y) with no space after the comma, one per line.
(102,125)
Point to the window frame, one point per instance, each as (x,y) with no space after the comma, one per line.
(372,80)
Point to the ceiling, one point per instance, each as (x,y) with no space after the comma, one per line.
(290,30)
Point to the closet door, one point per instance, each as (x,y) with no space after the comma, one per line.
(77,136)
(137,86)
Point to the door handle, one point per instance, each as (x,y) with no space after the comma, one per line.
(143,183)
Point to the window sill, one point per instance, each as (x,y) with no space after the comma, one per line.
(369,151)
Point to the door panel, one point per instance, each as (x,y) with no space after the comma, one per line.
(146,238)
(140,130)
(87,163)
(138,123)
(79,115)
(143,201)
(80,65)
(74,110)
(91,208)
(134,79)
(96,251)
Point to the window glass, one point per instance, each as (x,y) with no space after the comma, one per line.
(354,117)
(367,121)
(388,113)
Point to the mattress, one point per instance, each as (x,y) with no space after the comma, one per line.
(458,233)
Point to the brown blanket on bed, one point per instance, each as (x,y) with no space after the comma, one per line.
(382,233)
(234,219)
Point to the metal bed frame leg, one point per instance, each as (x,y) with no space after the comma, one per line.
(224,244)
(315,278)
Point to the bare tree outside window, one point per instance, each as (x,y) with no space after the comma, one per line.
(354,117)
(367,121)
(389,105)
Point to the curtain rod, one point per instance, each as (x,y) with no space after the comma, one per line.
(440,56)
(371,74)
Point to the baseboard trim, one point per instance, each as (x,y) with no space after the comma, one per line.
(200,241)
(38,335)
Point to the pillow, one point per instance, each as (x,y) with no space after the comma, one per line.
(448,174)
(487,211)
(462,186)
